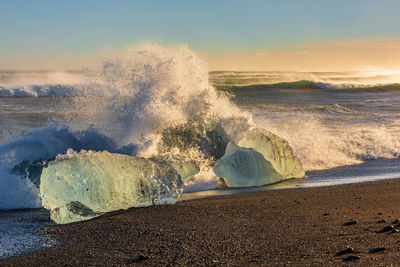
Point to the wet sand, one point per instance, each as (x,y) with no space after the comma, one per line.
(283,227)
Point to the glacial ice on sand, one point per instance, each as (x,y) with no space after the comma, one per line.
(261,158)
(276,150)
(80,186)
(245,167)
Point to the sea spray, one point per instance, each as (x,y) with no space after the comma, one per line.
(321,146)
(128,100)
(134,97)
(152,87)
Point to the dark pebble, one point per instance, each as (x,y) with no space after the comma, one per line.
(386,229)
(350,222)
(326,214)
(346,250)
(351,258)
(396,221)
(139,258)
(382,221)
(377,249)
(395,231)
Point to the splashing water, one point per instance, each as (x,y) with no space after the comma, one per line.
(134,97)
(125,103)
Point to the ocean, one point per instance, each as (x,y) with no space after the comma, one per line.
(343,126)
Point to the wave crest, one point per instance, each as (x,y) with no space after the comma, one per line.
(144,91)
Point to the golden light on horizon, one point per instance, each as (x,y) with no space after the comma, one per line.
(352,55)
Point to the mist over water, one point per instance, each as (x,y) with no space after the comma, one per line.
(123,103)
(319,79)
(330,128)
(122,106)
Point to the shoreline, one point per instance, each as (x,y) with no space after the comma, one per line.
(300,226)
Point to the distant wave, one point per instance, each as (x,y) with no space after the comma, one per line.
(53,90)
(310,85)
(41,90)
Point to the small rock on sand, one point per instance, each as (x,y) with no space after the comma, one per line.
(346,250)
(351,258)
(382,221)
(139,258)
(386,229)
(350,222)
(377,249)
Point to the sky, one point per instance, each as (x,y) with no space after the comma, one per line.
(229,35)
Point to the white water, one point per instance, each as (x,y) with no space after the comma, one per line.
(322,146)
(127,99)
(143,91)
(324,80)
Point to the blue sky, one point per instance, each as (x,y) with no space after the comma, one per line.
(75,27)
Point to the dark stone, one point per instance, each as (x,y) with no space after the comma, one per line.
(139,258)
(350,222)
(386,229)
(377,249)
(346,250)
(326,214)
(78,208)
(351,258)
(396,221)
(382,221)
(395,231)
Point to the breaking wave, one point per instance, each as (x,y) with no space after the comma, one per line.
(312,85)
(40,90)
(146,90)
(162,102)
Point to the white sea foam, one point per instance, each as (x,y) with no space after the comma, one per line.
(320,146)
(147,88)
(321,79)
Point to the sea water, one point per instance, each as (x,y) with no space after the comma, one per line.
(343,126)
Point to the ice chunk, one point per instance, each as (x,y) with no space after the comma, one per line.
(277,151)
(79,186)
(245,167)
(205,134)
(260,158)
(186,169)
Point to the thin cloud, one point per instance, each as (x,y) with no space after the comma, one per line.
(261,54)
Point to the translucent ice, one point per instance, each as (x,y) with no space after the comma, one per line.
(277,151)
(261,158)
(186,169)
(80,186)
(245,167)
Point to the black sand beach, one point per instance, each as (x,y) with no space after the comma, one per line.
(283,227)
